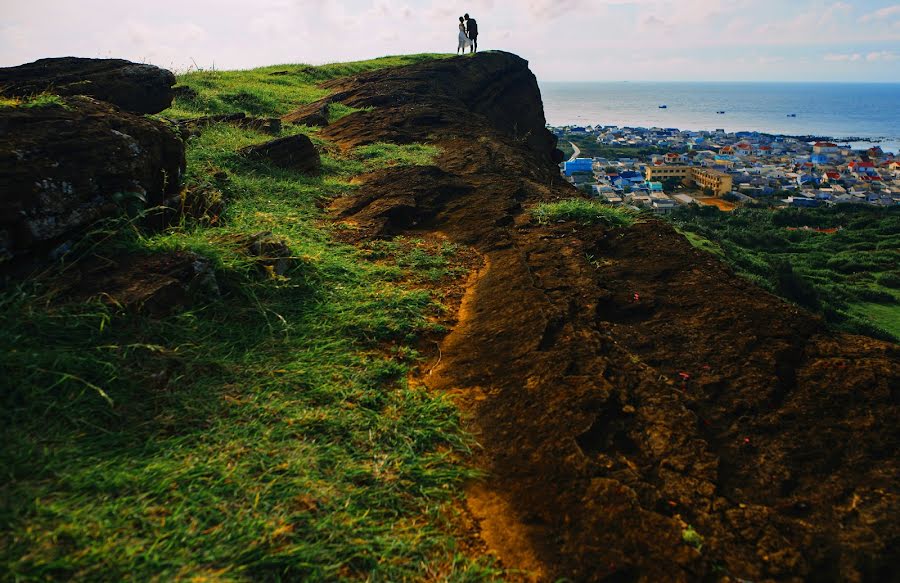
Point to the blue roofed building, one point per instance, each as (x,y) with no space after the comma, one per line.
(578,165)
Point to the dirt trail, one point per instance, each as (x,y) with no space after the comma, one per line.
(777,443)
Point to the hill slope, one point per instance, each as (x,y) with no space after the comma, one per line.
(641,413)
(777,449)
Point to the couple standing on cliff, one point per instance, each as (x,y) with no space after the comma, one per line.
(468,35)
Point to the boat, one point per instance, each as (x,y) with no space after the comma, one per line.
(720,112)
(663,106)
(792,115)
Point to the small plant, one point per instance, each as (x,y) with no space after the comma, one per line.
(39,100)
(586,212)
(45,100)
(692,537)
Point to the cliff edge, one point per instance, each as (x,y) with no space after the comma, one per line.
(775,458)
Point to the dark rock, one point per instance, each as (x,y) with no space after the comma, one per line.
(157,284)
(132,86)
(193,127)
(293,152)
(274,255)
(63,168)
(492,92)
(184,92)
(313,115)
(557,156)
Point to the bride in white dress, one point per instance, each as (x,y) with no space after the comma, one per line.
(464,41)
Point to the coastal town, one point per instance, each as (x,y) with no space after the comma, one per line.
(661,168)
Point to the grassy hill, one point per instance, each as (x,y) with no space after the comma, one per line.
(267,431)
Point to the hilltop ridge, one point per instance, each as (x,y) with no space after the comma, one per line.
(630,425)
(598,454)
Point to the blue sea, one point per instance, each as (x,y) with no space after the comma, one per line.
(870,111)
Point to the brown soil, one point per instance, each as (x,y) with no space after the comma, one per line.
(622,384)
(722,205)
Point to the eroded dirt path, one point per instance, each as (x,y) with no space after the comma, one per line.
(610,422)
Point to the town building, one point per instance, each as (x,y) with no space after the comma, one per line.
(719,182)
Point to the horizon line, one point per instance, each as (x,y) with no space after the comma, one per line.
(795,82)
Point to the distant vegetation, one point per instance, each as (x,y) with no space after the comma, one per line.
(585,212)
(850,276)
(591,149)
(268,432)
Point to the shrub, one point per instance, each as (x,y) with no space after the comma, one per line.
(890,279)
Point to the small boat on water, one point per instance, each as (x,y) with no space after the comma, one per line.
(663,106)
(792,115)
(721,112)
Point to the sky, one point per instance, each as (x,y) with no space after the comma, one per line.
(564,40)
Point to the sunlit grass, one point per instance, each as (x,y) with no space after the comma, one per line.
(267,432)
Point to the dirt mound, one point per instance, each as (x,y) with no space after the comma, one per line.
(625,386)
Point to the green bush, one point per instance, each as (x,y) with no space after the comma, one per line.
(890,279)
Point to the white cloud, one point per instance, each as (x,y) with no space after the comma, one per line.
(563,39)
(882,56)
(843,58)
(882,14)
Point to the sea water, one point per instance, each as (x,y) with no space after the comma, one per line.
(868,111)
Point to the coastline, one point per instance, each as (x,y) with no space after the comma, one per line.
(860,115)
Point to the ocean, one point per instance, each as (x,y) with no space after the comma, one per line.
(868,111)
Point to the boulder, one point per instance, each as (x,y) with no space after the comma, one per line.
(313,115)
(134,87)
(64,167)
(292,152)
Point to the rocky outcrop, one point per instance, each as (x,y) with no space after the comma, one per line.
(62,168)
(495,93)
(134,87)
(292,152)
(313,115)
(643,413)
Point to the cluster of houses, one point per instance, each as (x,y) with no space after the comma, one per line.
(698,166)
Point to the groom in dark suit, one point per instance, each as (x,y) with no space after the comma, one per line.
(472,31)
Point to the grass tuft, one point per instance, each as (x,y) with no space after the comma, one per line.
(585,212)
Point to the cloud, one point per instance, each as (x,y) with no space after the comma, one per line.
(843,58)
(882,56)
(882,14)
(872,57)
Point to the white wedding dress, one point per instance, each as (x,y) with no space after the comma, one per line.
(464,41)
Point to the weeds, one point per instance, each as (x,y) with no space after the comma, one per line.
(38,100)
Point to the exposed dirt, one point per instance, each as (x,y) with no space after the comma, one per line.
(624,385)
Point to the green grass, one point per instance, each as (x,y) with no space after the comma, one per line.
(38,100)
(583,211)
(265,433)
(885,316)
(272,91)
(702,243)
